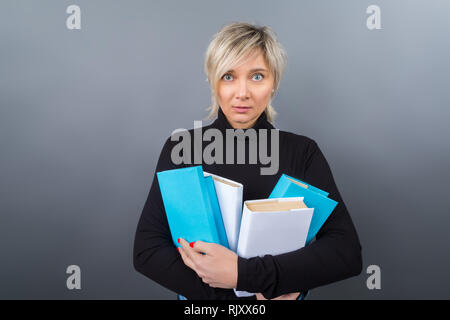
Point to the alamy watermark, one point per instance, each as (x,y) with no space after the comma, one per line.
(373,21)
(74,280)
(374,280)
(73,22)
(213,152)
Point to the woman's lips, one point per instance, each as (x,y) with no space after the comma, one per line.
(241,109)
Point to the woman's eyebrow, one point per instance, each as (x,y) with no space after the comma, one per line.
(253,70)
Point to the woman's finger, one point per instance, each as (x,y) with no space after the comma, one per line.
(288,296)
(203,247)
(191,253)
(259,296)
(187,261)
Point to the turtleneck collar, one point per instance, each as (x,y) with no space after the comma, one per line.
(222,122)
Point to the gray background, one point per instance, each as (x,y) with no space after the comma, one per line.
(84,114)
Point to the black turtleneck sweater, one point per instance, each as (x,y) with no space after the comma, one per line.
(334,255)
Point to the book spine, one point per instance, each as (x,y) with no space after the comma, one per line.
(238,216)
(280,188)
(231,218)
(220,226)
(207,199)
(244,233)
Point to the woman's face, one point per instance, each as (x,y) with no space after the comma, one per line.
(244,92)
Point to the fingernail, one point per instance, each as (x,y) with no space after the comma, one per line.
(178,249)
(192,244)
(178,240)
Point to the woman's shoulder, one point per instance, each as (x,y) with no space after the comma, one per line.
(296,139)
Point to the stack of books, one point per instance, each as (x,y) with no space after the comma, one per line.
(203,206)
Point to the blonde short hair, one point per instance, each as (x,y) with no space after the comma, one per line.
(231,45)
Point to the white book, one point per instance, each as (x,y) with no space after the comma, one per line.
(229,195)
(272,226)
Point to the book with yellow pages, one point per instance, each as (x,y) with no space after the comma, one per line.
(313,197)
(272,226)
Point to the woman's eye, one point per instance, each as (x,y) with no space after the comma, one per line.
(256,76)
(227,77)
(259,78)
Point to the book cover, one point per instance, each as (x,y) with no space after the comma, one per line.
(191,206)
(313,197)
(273,226)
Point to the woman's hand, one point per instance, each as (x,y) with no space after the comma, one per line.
(218,266)
(287,296)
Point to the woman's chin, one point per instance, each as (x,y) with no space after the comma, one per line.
(242,124)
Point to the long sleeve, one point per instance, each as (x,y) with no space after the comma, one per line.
(156,257)
(333,256)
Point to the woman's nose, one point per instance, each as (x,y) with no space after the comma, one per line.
(242,90)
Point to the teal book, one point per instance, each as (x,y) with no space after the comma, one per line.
(191,205)
(316,198)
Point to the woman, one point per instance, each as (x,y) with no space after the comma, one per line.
(244,64)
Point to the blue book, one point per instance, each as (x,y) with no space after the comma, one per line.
(191,205)
(313,198)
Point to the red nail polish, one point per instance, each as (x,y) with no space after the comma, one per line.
(178,249)
(192,244)
(178,240)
